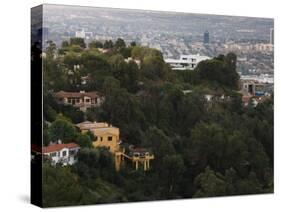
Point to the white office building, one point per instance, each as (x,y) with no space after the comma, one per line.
(80,34)
(186,61)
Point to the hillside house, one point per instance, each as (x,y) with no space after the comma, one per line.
(66,154)
(106,135)
(82,100)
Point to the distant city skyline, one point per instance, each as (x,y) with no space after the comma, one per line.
(174,34)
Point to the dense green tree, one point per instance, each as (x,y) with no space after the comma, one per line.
(120,43)
(63,130)
(132,77)
(210,184)
(61,187)
(54,76)
(65,44)
(46,139)
(71,59)
(250,185)
(84,140)
(160,144)
(221,70)
(108,44)
(73,113)
(94,63)
(118,66)
(94,163)
(133,43)
(96,44)
(208,141)
(172,168)
(126,52)
(153,67)
(51,49)
(78,41)
(139,52)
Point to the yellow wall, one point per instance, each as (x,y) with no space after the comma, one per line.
(102,132)
(102,141)
(103,135)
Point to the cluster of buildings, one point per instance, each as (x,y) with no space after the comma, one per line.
(105,136)
(254,91)
(246,47)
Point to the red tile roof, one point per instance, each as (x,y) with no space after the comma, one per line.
(246,99)
(139,149)
(58,147)
(64,94)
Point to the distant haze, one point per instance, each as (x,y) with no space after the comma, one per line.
(140,25)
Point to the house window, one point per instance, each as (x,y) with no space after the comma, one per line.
(69,101)
(87,100)
(109,138)
(53,154)
(72,152)
(64,153)
(100,138)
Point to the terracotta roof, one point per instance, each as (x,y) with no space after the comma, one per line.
(63,94)
(139,149)
(58,147)
(246,99)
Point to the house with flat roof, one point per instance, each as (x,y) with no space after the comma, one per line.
(186,61)
(106,134)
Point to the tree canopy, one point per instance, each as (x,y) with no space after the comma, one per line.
(202,147)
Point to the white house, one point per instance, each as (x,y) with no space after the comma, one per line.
(62,153)
(186,61)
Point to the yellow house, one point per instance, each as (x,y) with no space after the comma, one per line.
(106,135)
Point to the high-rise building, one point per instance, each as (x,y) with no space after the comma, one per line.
(272,36)
(206,37)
